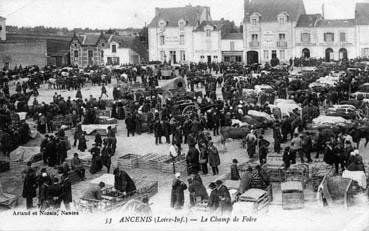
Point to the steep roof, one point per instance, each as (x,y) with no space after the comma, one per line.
(122,40)
(2,18)
(337,23)
(89,39)
(233,36)
(362,14)
(270,9)
(217,24)
(308,20)
(173,15)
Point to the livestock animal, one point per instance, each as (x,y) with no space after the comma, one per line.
(232,132)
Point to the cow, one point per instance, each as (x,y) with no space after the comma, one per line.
(360,133)
(232,132)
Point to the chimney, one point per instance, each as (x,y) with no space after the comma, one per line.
(323,10)
(157,11)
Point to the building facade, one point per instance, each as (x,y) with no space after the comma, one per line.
(88,49)
(2,28)
(232,47)
(119,52)
(170,33)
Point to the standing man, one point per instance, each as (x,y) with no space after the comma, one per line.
(213,156)
(251,144)
(177,194)
(67,191)
(277,139)
(263,149)
(29,187)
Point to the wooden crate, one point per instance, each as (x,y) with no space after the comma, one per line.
(148,188)
(275,172)
(128,161)
(144,161)
(298,172)
(158,162)
(180,166)
(318,171)
(274,158)
(292,195)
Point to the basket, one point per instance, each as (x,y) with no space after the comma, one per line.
(292,195)
(128,161)
(144,161)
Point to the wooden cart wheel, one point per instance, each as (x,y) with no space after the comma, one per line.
(188,110)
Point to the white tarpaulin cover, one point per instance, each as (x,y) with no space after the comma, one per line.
(357,176)
(24,154)
(22,115)
(260,88)
(94,127)
(327,81)
(287,106)
(260,114)
(327,120)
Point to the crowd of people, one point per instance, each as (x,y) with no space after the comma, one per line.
(147,111)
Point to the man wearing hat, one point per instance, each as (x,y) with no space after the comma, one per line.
(177,194)
(224,196)
(213,202)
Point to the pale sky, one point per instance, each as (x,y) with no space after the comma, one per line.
(105,14)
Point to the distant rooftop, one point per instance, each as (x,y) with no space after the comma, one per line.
(316,20)
(233,36)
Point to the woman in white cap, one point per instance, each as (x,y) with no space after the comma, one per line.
(177,195)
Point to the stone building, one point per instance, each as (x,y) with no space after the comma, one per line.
(119,51)
(88,49)
(170,33)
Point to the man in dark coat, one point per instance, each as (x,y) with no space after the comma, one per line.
(196,189)
(277,139)
(55,192)
(213,202)
(263,149)
(123,182)
(193,161)
(29,188)
(213,157)
(130,124)
(67,191)
(158,131)
(177,194)
(225,202)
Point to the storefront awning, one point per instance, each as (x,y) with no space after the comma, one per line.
(232,53)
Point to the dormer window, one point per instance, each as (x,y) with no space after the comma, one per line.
(181,24)
(282,17)
(208,30)
(162,25)
(255,18)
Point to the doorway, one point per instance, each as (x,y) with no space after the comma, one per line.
(306,53)
(343,53)
(329,54)
(252,57)
(209,59)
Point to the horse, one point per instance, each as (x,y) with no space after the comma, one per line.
(232,132)
(360,133)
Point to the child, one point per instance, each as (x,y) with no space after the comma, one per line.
(234,170)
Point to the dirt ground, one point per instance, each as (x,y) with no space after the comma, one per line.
(309,218)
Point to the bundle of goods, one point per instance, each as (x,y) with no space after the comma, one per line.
(298,172)
(107,120)
(178,166)
(144,161)
(60,120)
(286,106)
(128,161)
(292,195)
(102,129)
(319,170)
(330,121)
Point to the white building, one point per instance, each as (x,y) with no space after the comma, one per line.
(119,52)
(362,29)
(232,47)
(2,28)
(171,33)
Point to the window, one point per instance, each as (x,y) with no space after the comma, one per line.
(238,59)
(328,37)
(181,39)
(282,54)
(254,21)
(182,55)
(226,59)
(181,25)
(102,54)
(282,20)
(162,26)
(90,54)
(254,37)
(215,57)
(282,37)
(102,44)
(114,48)
(208,33)
(75,45)
(1,28)
(274,54)
(201,57)
(162,40)
(75,54)
(162,56)
(365,52)
(232,45)
(266,55)
(305,37)
(342,37)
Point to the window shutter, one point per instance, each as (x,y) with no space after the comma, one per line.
(325,37)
